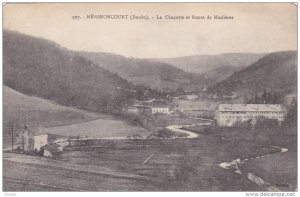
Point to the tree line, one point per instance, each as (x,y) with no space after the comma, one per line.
(266,97)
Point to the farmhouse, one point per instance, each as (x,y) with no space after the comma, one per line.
(233,95)
(159,107)
(191,97)
(137,108)
(33,138)
(133,109)
(153,106)
(228,114)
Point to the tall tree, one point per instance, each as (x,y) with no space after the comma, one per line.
(246,100)
(264,97)
(291,117)
(13,132)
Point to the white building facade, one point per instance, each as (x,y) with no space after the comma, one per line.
(160,110)
(159,107)
(153,106)
(228,114)
(192,97)
(39,141)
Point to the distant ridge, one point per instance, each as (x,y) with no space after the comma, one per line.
(155,74)
(273,72)
(206,63)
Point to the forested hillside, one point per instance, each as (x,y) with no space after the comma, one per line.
(39,67)
(206,63)
(156,74)
(275,72)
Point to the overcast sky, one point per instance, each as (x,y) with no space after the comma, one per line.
(256,27)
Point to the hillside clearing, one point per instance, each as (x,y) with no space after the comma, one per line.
(31,110)
(101,128)
(61,120)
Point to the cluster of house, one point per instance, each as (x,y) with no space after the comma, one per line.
(229,114)
(190,97)
(33,139)
(226,114)
(153,106)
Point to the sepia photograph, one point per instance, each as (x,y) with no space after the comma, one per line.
(148,97)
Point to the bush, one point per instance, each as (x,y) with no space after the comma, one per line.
(41,152)
(242,124)
(165,133)
(267,124)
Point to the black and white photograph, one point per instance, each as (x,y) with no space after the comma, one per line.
(149,97)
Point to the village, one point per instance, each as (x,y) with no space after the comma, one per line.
(182,125)
(33,140)
(99,102)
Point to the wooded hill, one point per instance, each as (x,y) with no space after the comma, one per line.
(39,67)
(204,63)
(152,73)
(275,72)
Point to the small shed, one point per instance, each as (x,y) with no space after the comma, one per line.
(51,149)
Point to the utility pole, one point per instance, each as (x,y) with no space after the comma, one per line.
(37,114)
(12,136)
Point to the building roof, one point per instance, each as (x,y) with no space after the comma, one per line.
(251,107)
(35,130)
(152,103)
(138,106)
(51,147)
(159,103)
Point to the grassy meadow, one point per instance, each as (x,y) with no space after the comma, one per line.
(58,119)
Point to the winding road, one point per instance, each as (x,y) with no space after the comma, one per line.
(179,128)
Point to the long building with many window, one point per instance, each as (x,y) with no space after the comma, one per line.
(228,114)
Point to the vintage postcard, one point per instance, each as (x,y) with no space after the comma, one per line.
(150,97)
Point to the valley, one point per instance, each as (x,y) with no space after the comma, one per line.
(114,123)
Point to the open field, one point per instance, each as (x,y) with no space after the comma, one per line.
(101,128)
(146,165)
(26,173)
(279,170)
(60,119)
(162,120)
(31,109)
